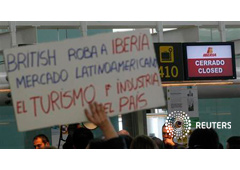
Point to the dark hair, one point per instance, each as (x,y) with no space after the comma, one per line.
(204,139)
(234,142)
(128,140)
(220,146)
(143,142)
(163,126)
(81,138)
(158,142)
(69,142)
(43,137)
(113,143)
(97,144)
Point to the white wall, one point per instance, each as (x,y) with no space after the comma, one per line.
(154,125)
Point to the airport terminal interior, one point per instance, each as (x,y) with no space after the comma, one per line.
(205,98)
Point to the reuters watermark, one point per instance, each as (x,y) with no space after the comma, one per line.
(213,125)
(178,125)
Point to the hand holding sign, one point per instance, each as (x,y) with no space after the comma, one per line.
(99,117)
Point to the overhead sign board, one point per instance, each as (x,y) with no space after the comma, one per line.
(52,83)
(170,61)
(209,61)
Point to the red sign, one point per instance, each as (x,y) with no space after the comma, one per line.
(209,61)
(210,67)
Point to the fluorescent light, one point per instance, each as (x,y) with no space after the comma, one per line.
(122,30)
(197,84)
(5,90)
(4,123)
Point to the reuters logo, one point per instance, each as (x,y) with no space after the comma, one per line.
(178,124)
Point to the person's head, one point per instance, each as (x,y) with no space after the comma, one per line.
(165,133)
(81,138)
(204,139)
(123,132)
(220,146)
(233,142)
(40,141)
(128,140)
(113,143)
(69,142)
(96,144)
(143,142)
(159,142)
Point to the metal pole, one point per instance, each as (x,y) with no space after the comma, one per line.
(12,27)
(83,28)
(221,28)
(159,28)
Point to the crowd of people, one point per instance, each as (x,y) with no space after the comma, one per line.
(83,138)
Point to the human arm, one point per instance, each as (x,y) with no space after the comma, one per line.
(98,116)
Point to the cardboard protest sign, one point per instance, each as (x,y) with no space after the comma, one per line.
(52,83)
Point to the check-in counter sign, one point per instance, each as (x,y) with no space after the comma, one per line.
(166,54)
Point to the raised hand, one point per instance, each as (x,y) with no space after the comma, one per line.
(98,116)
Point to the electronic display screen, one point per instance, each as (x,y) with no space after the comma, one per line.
(204,61)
